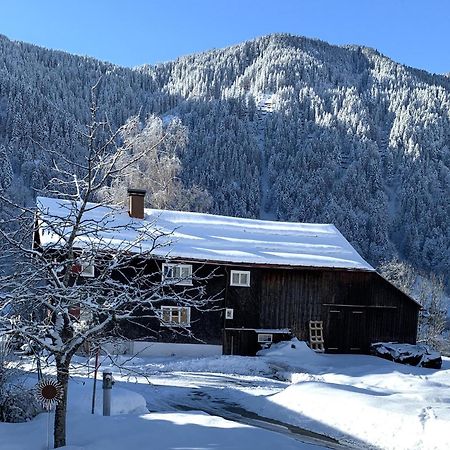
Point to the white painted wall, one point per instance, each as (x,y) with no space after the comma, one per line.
(142,348)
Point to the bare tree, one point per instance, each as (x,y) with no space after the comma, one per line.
(429,291)
(47,300)
(400,273)
(433,317)
(158,168)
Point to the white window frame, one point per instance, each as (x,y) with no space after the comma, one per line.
(229,313)
(240,273)
(265,338)
(86,269)
(177,310)
(171,279)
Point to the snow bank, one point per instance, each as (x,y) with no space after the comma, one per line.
(236,365)
(123,401)
(360,399)
(288,358)
(162,431)
(386,420)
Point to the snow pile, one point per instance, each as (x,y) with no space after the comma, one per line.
(371,416)
(123,401)
(288,358)
(292,350)
(361,399)
(236,365)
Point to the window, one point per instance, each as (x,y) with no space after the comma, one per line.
(265,338)
(229,313)
(177,274)
(84,269)
(175,316)
(87,269)
(240,278)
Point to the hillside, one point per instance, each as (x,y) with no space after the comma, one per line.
(279,127)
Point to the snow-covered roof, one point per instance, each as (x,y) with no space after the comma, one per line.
(207,237)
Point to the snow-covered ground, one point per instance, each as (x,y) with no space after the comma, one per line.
(232,402)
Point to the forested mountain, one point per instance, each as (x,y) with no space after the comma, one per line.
(280,126)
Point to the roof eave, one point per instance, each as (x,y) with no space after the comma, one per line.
(261,265)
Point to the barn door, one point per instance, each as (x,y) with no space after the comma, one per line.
(346,331)
(356,330)
(334,336)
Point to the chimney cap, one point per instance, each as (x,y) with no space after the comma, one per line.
(138,192)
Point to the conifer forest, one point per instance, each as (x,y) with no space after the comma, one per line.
(280,127)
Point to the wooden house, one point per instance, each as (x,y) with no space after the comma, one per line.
(270,281)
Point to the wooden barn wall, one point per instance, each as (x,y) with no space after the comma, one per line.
(245,301)
(288,298)
(206,320)
(291,298)
(386,314)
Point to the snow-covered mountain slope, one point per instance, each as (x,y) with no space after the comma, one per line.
(279,127)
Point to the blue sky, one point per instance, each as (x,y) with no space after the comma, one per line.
(134,32)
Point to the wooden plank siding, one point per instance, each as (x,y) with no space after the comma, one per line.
(290,299)
(206,321)
(385,313)
(357,307)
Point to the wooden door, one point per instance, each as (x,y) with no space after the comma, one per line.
(333,334)
(356,330)
(346,330)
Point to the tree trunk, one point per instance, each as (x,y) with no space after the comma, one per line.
(59,432)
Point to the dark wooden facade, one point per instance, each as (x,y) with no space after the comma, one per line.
(357,308)
(206,320)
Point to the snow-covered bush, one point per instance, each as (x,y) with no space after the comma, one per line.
(17,402)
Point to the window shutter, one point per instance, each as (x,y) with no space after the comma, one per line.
(167,271)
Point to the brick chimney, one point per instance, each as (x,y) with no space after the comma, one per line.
(136,203)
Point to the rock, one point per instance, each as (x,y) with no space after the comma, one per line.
(414,355)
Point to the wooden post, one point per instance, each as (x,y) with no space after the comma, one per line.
(95,380)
